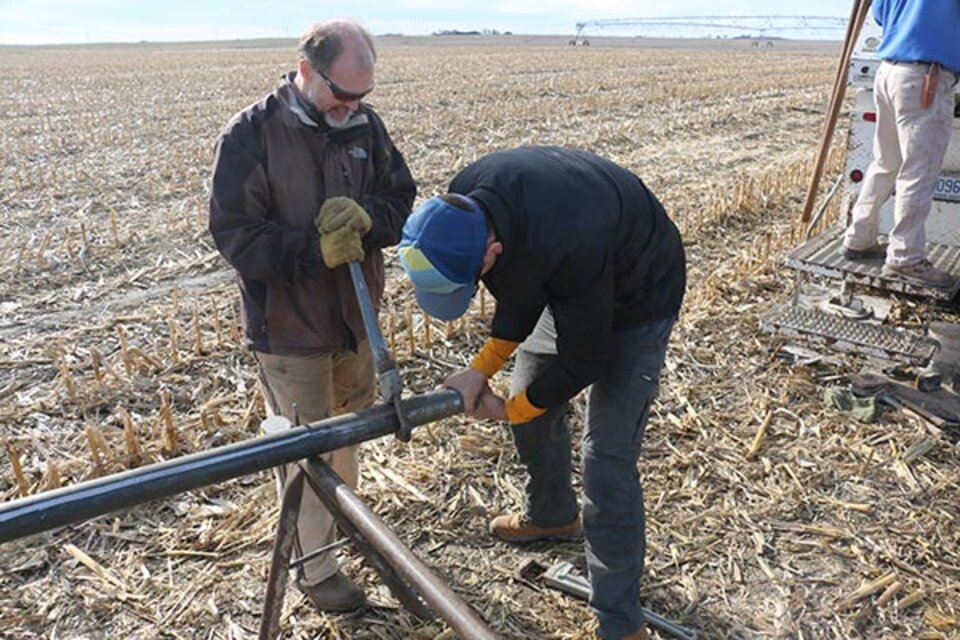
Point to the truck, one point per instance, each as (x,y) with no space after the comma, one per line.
(853,319)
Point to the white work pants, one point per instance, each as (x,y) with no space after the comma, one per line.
(908,150)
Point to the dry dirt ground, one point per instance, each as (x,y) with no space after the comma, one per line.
(116,309)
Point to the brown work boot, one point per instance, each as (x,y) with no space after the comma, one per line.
(640,634)
(516,527)
(336,594)
(922,272)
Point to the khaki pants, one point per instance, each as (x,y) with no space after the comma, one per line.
(320,386)
(908,150)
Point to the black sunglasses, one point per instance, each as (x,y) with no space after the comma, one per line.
(342,94)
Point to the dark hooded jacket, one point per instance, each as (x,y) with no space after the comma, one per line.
(584,237)
(276,162)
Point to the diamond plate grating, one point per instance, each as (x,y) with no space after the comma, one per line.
(823,255)
(849,335)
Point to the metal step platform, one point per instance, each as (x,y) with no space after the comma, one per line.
(823,255)
(842,334)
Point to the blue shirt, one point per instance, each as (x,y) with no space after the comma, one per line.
(920,31)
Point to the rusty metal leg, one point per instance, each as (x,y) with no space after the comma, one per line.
(281,564)
(282,549)
(409,569)
(400,589)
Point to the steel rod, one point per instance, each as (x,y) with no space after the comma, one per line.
(388,378)
(381,354)
(86,500)
(316,553)
(447,604)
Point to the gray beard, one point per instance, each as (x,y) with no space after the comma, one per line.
(311,95)
(334,124)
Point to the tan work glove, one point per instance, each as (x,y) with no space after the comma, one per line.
(341,246)
(339,212)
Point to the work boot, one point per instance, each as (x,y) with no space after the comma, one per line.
(922,272)
(877,251)
(640,634)
(516,527)
(336,594)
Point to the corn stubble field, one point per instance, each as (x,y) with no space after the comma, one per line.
(770,515)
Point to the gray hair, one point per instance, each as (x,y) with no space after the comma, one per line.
(322,43)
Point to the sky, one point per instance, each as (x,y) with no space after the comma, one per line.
(88,21)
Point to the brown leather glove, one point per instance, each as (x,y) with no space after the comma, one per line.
(339,212)
(341,246)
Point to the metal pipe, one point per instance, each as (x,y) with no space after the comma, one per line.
(86,500)
(447,604)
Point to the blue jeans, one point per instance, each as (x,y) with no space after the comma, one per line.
(613,513)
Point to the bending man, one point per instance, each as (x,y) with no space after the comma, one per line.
(588,273)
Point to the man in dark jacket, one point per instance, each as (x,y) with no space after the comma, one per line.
(588,273)
(304,181)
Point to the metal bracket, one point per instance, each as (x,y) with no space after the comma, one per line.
(280,563)
(400,589)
